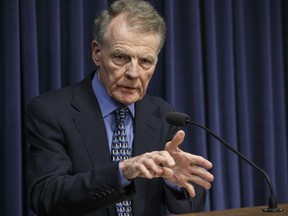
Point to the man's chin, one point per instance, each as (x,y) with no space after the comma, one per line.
(126,100)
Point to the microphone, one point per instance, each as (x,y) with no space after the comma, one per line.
(182,119)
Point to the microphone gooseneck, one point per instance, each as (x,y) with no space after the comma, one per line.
(182,119)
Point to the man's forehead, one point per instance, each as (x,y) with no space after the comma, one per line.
(119,29)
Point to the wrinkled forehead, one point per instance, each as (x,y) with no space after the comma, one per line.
(120,25)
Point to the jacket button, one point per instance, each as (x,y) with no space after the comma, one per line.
(96,196)
(108,192)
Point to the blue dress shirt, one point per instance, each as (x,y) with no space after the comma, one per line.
(107,107)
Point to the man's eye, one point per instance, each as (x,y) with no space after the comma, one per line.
(146,63)
(120,59)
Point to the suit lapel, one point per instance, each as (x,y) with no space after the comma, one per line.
(90,123)
(146,128)
(146,139)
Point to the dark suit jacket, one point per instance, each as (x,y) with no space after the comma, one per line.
(69,165)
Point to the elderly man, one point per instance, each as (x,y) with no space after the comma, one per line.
(102,146)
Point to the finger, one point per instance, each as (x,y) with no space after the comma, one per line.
(161,158)
(167,173)
(196,175)
(139,166)
(145,173)
(152,167)
(199,161)
(200,181)
(148,165)
(157,164)
(190,189)
(176,141)
(201,172)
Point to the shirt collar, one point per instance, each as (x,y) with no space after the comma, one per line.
(106,103)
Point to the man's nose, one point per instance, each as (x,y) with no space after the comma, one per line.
(132,70)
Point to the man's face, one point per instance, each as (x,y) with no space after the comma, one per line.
(126,62)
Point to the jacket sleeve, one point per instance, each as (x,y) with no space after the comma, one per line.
(180,202)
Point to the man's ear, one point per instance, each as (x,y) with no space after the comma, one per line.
(96,52)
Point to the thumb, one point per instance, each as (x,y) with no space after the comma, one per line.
(175,142)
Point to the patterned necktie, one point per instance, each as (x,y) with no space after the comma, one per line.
(121,151)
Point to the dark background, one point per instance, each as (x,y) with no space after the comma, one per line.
(225,63)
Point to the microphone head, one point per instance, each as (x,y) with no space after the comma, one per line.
(177,119)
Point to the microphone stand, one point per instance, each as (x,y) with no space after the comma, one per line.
(182,119)
(272,204)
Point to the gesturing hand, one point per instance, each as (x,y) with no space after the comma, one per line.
(148,165)
(188,167)
(178,167)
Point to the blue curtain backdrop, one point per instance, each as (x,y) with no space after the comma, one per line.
(225,63)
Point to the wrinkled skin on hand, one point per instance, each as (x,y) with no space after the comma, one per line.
(188,167)
(178,167)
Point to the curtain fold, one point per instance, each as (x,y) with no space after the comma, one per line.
(11,133)
(225,63)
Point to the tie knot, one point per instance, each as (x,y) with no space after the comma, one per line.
(121,113)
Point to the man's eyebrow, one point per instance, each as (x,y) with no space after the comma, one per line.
(149,57)
(119,51)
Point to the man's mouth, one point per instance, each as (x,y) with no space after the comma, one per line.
(128,89)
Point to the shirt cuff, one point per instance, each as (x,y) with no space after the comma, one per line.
(173,186)
(124,182)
